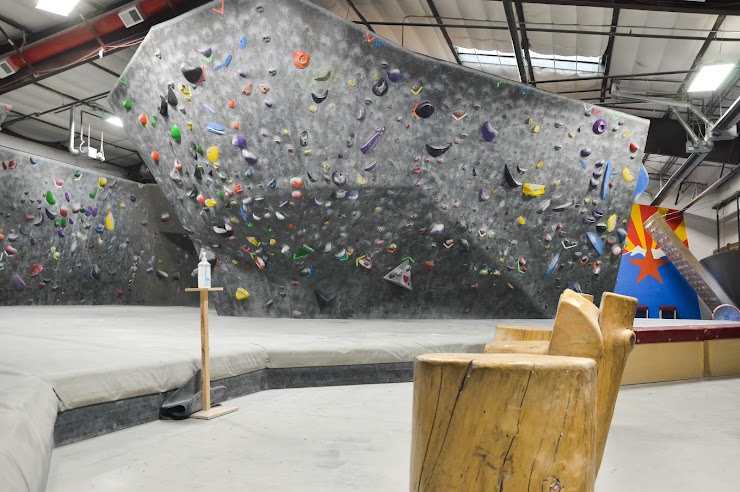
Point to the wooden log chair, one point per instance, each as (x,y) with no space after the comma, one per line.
(531,414)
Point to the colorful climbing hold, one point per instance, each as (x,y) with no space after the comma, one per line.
(110,222)
(175,133)
(531,189)
(102,181)
(127,104)
(301,59)
(50,198)
(143,119)
(155,156)
(627,175)
(521,220)
(241,294)
(212,153)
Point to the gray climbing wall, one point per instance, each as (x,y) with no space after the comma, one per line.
(333,174)
(75,236)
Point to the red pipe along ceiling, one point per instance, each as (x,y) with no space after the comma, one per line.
(78,35)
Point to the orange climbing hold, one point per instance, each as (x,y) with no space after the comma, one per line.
(155,156)
(232,104)
(143,119)
(296,182)
(301,59)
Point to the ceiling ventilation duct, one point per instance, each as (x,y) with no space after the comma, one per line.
(131,16)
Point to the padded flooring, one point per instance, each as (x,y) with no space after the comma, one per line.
(94,354)
(664,437)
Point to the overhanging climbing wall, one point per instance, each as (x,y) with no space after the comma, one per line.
(75,236)
(332,173)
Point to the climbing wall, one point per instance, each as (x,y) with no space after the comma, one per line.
(331,173)
(74,236)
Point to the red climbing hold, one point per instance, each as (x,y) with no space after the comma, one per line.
(232,104)
(301,59)
(36,269)
(633,147)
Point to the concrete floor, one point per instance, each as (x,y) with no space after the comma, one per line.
(664,437)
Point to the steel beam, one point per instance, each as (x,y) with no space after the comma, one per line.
(608,53)
(617,33)
(525,42)
(691,163)
(724,179)
(442,28)
(690,7)
(514,33)
(359,14)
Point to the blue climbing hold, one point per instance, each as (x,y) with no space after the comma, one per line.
(596,242)
(642,182)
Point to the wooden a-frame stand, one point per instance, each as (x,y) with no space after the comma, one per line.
(205,363)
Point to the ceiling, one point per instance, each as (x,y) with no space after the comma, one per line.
(650,47)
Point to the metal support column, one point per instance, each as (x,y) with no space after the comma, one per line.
(514,32)
(718,231)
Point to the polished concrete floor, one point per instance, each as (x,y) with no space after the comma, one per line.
(664,437)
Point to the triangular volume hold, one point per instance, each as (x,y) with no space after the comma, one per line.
(401,275)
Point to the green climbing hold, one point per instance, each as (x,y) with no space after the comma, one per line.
(175,132)
(127,104)
(220,194)
(64,222)
(124,80)
(50,198)
(199,150)
(93,194)
(302,252)
(78,174)
(57,222)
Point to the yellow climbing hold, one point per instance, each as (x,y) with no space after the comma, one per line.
(110,222)
(210,202)
(325,165)
(536,129)
(102,181)
(556,182)
(529,121)
(313,108)
(252,240)
(361,179)
(587,200)
(531,189)
(189,124)
(540,164)
(570,134)
(351,83)
(212,153)
(285,131)
(273,242)
(375,77)
(626,134)
(521,220)
(627,175)
(241,294)
(611,222)
(332,106)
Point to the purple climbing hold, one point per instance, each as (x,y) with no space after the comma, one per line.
(239,141)
(394,75)
(599,126)
(488,132)
(206,52)
(133,199)
(585,152)
(88,211)
(66,196)
(371,167)
(373,140)
(17,283)
(249,157)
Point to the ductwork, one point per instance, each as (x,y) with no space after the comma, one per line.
(82,33)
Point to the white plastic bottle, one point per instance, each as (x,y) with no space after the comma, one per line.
(204,272)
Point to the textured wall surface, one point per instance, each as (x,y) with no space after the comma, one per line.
(313,158)
(75,236)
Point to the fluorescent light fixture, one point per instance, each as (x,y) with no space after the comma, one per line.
(710,77)
(114,120)
(60,7)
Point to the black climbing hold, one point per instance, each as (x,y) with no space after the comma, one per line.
(193,150)
(438,150)
(163,106)
(318,99)
(304,138)
(425,110)
(323,298)
(192,74)
(510,178)
(380,87)
(171,97)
